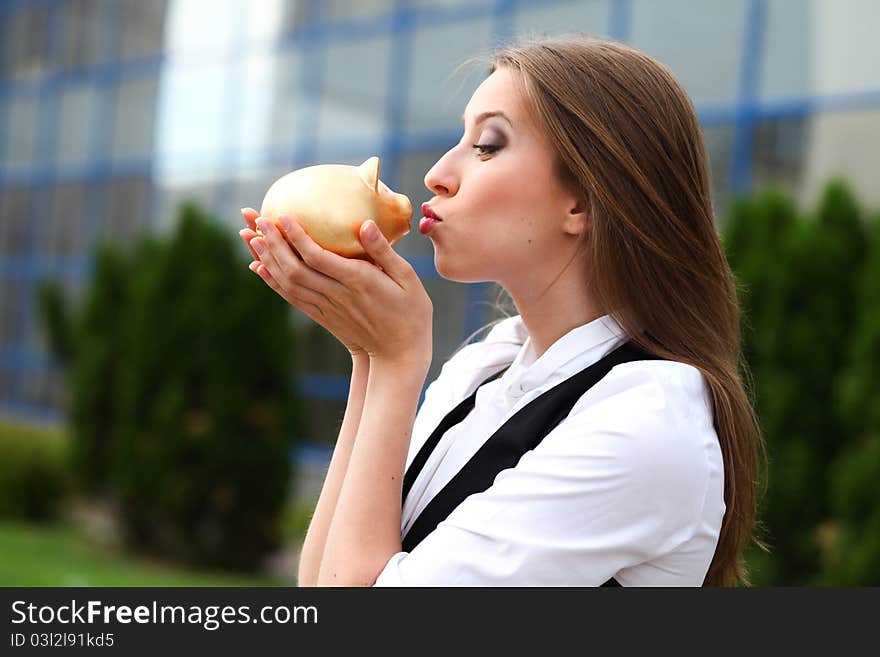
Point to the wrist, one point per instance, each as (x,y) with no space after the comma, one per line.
(360,358)
(417,363)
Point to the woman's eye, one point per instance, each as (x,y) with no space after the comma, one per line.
(485,149)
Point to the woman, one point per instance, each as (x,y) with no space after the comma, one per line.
(602,436)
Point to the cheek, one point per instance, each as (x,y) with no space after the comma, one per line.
(515,209)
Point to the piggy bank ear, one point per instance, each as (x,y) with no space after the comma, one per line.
(369,173)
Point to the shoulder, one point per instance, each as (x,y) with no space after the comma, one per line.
(651,422)
(647,391)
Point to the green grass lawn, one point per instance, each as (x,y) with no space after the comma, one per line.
(41,555)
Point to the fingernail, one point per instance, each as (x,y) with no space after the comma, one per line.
(371,232)
(264,226)
(242,210)
(258,246)
(253,266)
(285,223)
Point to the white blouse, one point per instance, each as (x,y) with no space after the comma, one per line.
(630,485)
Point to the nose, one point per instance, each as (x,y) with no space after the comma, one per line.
(441,179)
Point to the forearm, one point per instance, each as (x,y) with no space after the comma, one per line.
(365,529)
(316,536)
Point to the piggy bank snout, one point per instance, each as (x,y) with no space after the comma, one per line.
(404,206)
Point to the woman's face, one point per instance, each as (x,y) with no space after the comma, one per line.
(505,217)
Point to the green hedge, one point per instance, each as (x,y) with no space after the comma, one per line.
(180,367)
(809,287)
(34,472)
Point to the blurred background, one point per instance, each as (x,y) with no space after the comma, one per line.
(165,419)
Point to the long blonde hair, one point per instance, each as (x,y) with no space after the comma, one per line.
(626,135)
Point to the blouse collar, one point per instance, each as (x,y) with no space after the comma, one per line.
(579,348)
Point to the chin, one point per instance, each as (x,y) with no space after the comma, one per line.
(443,268)
(455,272)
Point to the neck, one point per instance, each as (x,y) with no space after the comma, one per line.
(548,316)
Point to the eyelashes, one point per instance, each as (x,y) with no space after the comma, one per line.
(486,149)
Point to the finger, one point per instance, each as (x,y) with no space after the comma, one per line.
(288,268)
(250,216)
(246,235)
(379,250)
(307,300)
(314,255)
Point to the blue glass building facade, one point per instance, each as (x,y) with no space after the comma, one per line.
(114,111)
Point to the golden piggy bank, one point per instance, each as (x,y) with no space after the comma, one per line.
(331,201)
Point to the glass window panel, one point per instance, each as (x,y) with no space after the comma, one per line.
(13,221)
(7,36)
(288,105)
(846,46)
(337,152)
(124,217)
(412,172)
(134,119)
(142,27)
(29,27)
(449,324)
(32,333)
(191,112)
(780,148)
(217,25)
(93,209)
(169,199)
(47,113)
(251,187)
(590,17)
(322,353)
(297,13)
(719,143)
(703,48)
(787,49)
(8,384)
(345,9)
(270,105)
(354,89)
(21,133)
(323,418)
(38,384)
(463,4)
(63,228)
(267,22)
(436,97)
(9,303)
(88,35)
(845,144)
(78,107)
(57,394)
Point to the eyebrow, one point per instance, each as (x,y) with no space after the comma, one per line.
(485,115)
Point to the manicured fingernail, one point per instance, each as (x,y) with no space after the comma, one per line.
(285,223)
(263,226)
(258,245)
(253,266)
(371,232)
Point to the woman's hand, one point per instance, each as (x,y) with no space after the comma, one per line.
(379,308)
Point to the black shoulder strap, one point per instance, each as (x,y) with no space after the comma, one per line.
(452,418)
(521,433)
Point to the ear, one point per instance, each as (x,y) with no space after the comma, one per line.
(577,220)
(369,173)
